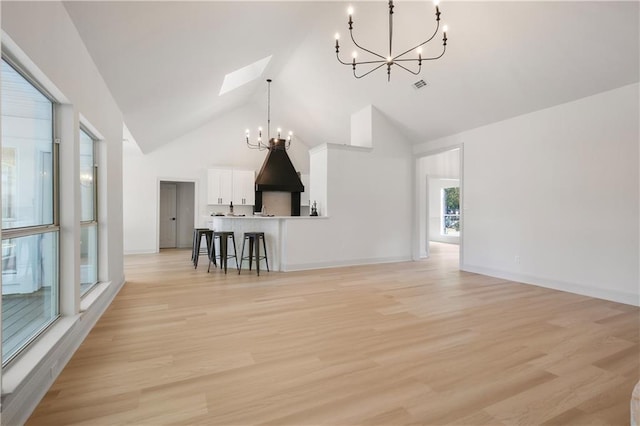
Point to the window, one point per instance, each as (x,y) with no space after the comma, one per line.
(30,233)
(88,214)
(451,211)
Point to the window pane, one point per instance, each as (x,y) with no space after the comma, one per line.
(88,257)
(29,288)
(27,153)
(86,177)
(451,211)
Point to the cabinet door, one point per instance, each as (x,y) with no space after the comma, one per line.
(226,186)
(304,196)
(219,183)
(244,187)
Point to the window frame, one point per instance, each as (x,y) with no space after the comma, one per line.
(54,227)
(92,223)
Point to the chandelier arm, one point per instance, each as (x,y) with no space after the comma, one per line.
(259,146)
(368,72)
(368,62)
(421,44)
(362,62)
(407,60)
(362,48)
(408,70)
(341,61)
(436,57)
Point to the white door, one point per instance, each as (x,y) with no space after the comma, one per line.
(168,212)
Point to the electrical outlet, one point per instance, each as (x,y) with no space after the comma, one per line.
(517,260)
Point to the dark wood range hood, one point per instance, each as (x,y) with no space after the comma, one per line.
(278,174)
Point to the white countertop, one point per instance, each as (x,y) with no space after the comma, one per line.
(270,217)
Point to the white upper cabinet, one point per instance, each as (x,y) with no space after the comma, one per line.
(244,187)
(219,186)
(229,185)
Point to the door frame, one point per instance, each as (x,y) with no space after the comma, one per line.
(416,204)
(196,203)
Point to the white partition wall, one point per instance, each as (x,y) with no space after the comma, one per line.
(551,197)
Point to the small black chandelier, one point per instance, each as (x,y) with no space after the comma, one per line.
(390,59)
(272,142)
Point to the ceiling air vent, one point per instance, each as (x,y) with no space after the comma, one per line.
(419,84)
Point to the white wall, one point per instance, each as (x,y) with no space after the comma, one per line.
(219,143)
(369,199)
(63,65)
(551,197)
(362,127)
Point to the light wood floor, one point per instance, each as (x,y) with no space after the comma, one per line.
(404,343)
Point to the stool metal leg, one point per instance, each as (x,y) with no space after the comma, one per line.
(257,244)
(235,253)
(212,254)
(244,240)
(223,253)
(251,244)
(266,260)
(197,252)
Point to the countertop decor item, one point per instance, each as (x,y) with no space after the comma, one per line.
(377,60)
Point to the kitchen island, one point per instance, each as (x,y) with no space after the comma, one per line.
(275,228)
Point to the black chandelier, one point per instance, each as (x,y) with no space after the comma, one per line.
(390,59)
(277,142)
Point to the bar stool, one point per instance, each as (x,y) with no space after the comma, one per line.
(198,233)
(223,238)
(254,247)
(195,238)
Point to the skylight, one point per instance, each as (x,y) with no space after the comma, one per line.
(244,75)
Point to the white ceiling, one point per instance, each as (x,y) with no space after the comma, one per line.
(165,61)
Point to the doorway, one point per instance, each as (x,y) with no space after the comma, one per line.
(176,214)
(440,201)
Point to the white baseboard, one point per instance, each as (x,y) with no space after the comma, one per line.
(140,251)
(27,380)
(611,295)
(341,263)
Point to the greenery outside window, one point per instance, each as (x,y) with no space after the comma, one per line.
(451,211)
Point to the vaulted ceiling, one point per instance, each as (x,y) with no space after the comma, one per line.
(165,61)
